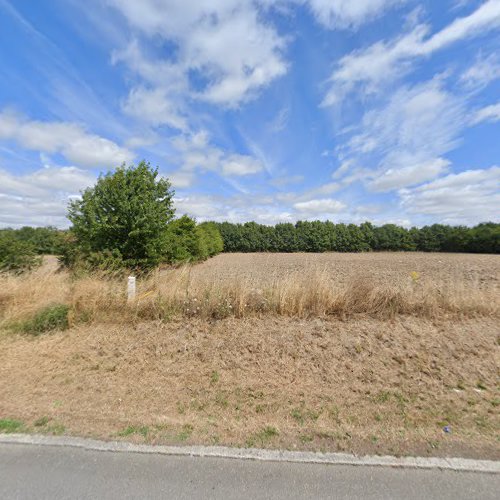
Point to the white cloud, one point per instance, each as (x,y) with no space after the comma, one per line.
(280,121)
(180,179)
(485,17)
(195,153)
(153,106)
(225,41)
(320,206)
(309,194)
(404,140)
(469,197)
(286,180)
(239,208)
(384,61)
(69,139)
(395,178)
(345,13)
(484,71)
(40,197)
(236,164)
(487,114)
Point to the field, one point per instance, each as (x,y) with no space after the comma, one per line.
(369,353)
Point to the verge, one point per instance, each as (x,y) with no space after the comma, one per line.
(455,464)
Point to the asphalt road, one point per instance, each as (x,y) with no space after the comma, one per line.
(43,472)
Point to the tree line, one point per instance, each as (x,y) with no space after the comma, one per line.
(319,236)
(127,221)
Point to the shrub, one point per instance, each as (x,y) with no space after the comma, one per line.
(45,240)
(50,318)
(16,255)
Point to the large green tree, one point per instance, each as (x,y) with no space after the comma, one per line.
(127,211)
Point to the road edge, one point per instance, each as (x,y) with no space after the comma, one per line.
(453,464)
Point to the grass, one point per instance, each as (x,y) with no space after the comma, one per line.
(185,434)
(262,437)
(63,301)
(48,319)
(8,425)
(130,430)
(304,358)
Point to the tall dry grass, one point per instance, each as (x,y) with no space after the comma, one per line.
(174,293)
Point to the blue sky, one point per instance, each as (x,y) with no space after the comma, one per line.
(381,110)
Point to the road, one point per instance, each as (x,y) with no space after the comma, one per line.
(45,472)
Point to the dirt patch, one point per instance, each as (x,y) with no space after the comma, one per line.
(363,385)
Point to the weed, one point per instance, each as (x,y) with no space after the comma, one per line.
(383,396)
(262,437)
(56,429)
(48,319)
(334,414)
(313,415)
(40,422)
(197,405)
(8,425)
(221,400)
(214,377)
(187,430)
(298,416)
(306,438)
(130,430)
(481,422)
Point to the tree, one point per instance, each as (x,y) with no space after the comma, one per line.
(128,212)
(485,238)
(211,238)
(393,238)
(285,238)
(183,241)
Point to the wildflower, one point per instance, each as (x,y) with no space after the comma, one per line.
(415,276)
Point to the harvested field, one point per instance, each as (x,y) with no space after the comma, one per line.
(361,382)
(260,269)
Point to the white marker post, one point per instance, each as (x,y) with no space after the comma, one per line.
(131,289)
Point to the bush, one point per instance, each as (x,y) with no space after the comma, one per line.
(80,262)
(16,255)
(48,319)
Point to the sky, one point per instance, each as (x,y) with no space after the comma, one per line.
(272,111)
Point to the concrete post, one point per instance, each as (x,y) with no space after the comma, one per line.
(131,289)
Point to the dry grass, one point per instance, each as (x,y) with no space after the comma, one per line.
(196,292)
(362,386)
(363,353)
